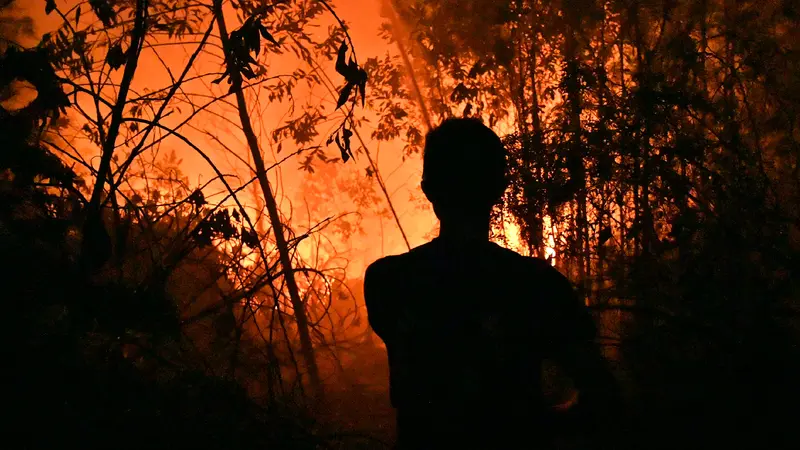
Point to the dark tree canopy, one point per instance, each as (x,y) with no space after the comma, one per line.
(654,152)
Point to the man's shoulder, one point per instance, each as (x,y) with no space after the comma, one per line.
(543,267)
(429,250)
(393,261)
(516,265)
(552,288)
(382,265)
(530,265)
(388,265)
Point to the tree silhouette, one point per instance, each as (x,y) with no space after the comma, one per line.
(163,297)
(650,148)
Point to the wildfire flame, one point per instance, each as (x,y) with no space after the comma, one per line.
(513,239)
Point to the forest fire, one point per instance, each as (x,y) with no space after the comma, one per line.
(194,190)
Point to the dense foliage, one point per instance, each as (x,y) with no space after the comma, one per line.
(654,151)
(144,309)
(654,156)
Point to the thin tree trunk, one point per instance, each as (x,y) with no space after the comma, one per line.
(131,63)
(704,42)
(382,186)
(330,86)
(306,346)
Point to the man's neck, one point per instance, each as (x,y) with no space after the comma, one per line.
(464,231)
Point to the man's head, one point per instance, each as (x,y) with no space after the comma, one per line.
(464,167)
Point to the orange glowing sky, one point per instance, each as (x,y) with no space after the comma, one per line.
(380,236)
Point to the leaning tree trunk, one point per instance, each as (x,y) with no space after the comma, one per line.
(396,25)
(306,347)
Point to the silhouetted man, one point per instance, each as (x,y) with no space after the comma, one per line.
(467,323)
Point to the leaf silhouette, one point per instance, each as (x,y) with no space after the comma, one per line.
(459,93)
(50,6)
(344,94)
(266,35)
(222,77)
(346,135)
(249,237)
(362,88)
(354,76)
(115,57)
(342,149)
(197,198)
(104,12)
(248,72)
(341,65)
(478,69)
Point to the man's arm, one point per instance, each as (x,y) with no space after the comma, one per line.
(376,297)
(571,335)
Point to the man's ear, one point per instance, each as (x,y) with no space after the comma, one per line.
(425,188)
(501,189)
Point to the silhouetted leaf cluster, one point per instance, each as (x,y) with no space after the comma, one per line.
(217,225)
(222,224)
(355,80)
(342,138)
(355,77)
(34,66)
(50,6)
(115,56)
(197,198)
(104,11)
(244,41)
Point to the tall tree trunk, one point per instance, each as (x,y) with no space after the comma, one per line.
(646,217)
(306,346)
(637,167)
(576,156)
(703,42)
(604,208)
(621,200)
(537,145)
(96,244)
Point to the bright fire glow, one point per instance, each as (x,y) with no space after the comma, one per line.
(550,247)
(513,239)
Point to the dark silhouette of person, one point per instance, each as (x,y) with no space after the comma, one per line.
(467,323)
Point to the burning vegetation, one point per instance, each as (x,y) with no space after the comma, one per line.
(190,191)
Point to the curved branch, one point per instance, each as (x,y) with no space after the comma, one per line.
(344,27)
(213,167)
(157,118)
